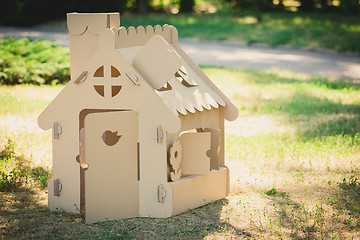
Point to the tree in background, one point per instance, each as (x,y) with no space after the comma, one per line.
(306,5)
(142,6)
(324,5)
(256,5)
(31,12)
(352,6)
(187,5)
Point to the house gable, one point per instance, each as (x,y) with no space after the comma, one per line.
(84,94)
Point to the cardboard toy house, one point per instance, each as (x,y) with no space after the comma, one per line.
(139,129)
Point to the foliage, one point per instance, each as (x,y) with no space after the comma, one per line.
(31,12)
(350,184)
(256,5)
(351,6)
(32,62)
(9,150)
(12,179)
(307,5)
(41,176)
(272,191)
(41,62)
(348,6)
(187,5)
(314,30)
(16,173)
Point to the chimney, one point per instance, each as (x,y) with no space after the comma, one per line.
(84,29)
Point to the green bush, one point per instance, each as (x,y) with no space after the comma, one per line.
(33,62)
(16,173)
(12,179)
(9,150)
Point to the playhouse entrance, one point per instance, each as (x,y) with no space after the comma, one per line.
(111,180)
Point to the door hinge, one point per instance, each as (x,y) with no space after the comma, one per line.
(133,78)
(57,130)
(57,187)
(81,78)
(161,193)
(159,134)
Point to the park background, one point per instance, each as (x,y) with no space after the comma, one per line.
(293,153)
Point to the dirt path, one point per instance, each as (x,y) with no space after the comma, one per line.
(319,62)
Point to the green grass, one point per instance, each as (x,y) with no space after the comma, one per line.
(335,31)
(25,99)
(293,153)
(314,30)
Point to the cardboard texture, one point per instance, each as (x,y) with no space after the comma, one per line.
(197,190)
(214,148)
(156,63)
(194,149)
(115,154)
(139,129)
(175,160)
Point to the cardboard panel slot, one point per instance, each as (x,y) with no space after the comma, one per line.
(115,90)
(99,72)
(114,72)
(100,90)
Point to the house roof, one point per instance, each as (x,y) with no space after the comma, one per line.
(186,91)
(189,90)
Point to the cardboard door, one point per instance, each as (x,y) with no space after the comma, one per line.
(111,180)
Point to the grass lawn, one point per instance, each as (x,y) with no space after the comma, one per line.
(293,153)
(315,30)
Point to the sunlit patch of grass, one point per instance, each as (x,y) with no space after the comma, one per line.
(284,152)
(26,99)
(19,109)
(247,20)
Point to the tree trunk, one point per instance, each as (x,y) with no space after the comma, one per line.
(187,5)
(142,6)
(307,5)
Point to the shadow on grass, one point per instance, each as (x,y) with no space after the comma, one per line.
(18,175)
(344,126)
(24,213)
(301,102)
(266,78)
(193,224)
(25,216)
(312,116)
(348,199)
(305,104)
(304,222)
